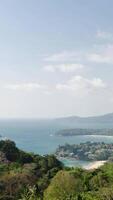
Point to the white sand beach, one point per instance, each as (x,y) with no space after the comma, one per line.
(95,165)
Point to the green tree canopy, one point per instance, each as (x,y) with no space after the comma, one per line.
(63,186)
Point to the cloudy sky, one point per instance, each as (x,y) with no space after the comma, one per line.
(56,58)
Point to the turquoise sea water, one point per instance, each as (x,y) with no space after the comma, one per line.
(39,136)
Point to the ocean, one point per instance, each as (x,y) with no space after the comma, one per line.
(38,136)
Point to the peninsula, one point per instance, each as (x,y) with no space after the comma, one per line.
(88,151)
(85,131)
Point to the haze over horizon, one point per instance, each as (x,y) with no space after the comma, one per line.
(56,58)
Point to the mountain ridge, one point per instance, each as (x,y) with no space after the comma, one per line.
(108,116)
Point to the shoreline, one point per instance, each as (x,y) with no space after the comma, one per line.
(95,165)
(89,166)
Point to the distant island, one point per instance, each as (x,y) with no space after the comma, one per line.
(84,131)
(88,151)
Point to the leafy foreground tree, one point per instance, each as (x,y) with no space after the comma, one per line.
(106,193)
(63,186)
(30,194)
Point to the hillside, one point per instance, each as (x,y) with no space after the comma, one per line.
(20,170)
(26,176)
(88,151)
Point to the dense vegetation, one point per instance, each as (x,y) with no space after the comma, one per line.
(26,176)
(79,184)
(89,151)
(19,169)
(85,131)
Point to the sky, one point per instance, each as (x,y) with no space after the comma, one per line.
(56,58)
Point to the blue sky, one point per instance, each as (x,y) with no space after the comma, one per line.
(56,58)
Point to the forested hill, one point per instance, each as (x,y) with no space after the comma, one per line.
(20,170)
(26,176)
(88,151)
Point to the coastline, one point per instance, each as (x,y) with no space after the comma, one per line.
(88,165)
(95,165)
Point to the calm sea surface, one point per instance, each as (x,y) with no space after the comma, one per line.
(39,136)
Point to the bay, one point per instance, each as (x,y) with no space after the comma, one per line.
(38,136)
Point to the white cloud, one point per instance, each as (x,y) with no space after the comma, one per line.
(64,67)
(80,84)
(24,86)
(104,35)
(100,58)
(102,54)
(105,55)
(63,56)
